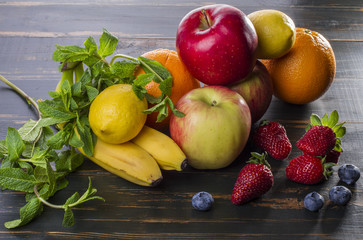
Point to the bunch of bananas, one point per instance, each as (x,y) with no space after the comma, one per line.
(139,160)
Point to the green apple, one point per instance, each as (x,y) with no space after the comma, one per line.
(215,128)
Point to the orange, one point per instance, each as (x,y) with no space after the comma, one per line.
(183,82)
(306,72)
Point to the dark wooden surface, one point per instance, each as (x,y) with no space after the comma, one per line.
(30,29)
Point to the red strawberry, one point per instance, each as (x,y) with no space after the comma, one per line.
(308,169)
(254,180)
(333,156)
(317,141)
(322,135)
(271,137)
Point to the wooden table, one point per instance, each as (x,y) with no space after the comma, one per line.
(30,29)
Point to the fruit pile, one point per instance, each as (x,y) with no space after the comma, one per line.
(208,94)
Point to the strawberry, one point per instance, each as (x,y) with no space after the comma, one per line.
(272,138)
(317,141)
(254,180)
(333,156)
(308,169)
(322,135)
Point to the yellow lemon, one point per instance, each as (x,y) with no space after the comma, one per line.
(116,114)
(276,33)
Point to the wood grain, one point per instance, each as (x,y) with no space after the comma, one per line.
(30,29)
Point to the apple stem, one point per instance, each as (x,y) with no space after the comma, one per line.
(214,102)
(207,20)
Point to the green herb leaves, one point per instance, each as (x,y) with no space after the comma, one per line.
(27,165)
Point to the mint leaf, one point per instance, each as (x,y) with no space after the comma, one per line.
(84,130)
(151,99)
(56,110)
(65,94)
(70,53)
(49,121)
(165,86)
(75,141)
(91,93)
(175,111)
(27,213)
(77,89)
(108,43)
(58,140)
(68,219)
(72,199)
(124,70)
(157,67)
(30,130)
(90,45)
(139,84)
(41,174)
(46,134)
(14,144)
(3,148)
(89,194)
(16,179)
(69,161)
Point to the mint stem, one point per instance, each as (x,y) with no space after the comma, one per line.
(44,201)
(22,93)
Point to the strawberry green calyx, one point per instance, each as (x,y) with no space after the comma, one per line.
(264,122)
(327,166)
(330,121)
(257,158)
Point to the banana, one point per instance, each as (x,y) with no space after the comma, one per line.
(162,148)
(128,161)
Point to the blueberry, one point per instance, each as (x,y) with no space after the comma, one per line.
(348,173)
(202,201)
(340,195)
(313,201)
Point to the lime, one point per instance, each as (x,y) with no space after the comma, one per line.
(275,31)
(116,114)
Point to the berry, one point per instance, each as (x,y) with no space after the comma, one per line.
(254,180)
(307,169)
(340,195)
(202,201)
(349,173)
(322,136)
(313,201)
(317,141)
(333,156)
(272,138)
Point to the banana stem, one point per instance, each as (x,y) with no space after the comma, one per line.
(23,94)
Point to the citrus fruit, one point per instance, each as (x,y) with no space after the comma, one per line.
(183,82)
(306,72)
(116,114)
(275,31)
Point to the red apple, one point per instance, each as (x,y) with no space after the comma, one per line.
(257,91)
(215,128)
(217,43)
